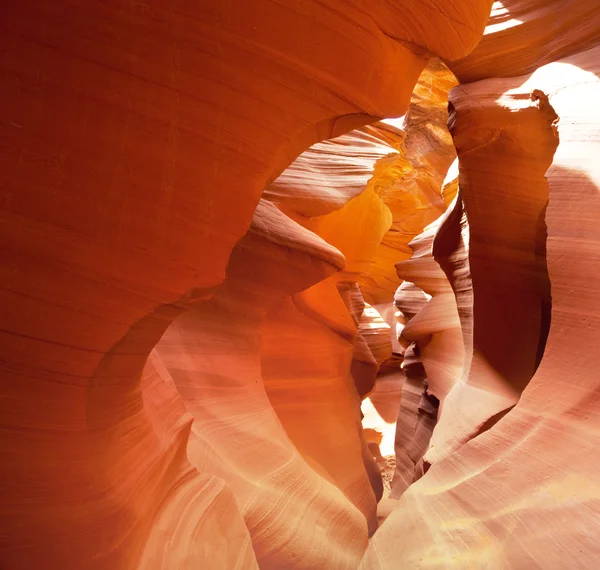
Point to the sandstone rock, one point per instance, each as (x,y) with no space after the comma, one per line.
(508,272)
(523,35)
(435,327)
(137,139)
(411,187)
(522,493)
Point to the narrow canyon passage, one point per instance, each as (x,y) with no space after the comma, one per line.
(305,285)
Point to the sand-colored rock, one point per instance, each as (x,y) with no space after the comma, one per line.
(508,271)
(372,348)
(232,410)
(137,139)
(523,494)
(205,495)
(411,187)
(381,409)
(435,328)
(291,344)
(323,359)
(291,366)
(410,440)
(425,156)
(523,35)
(432,332)
(413,190)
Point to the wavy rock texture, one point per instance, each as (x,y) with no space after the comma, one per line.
(416,196)
(522,492)
(137,139)
(264,366)
(435,328)
(412,187)
(413,430)
(356,229)
(508,271)
(232,411)
(372,348)
(202,502)
(308,377)
(433,333)
(523,35)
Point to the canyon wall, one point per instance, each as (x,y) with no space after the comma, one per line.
(137,141)
(513,476)
(197,293)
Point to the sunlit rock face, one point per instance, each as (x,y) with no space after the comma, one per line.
(435,326)
(417,194)
(196,296)
(508,273)
(523,35)
(277,361)
(513,476)
(434,359)
(232,410)
(412,191)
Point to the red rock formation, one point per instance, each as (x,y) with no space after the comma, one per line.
(410,441)
(411,186)
(416,197)
(137,140)
(433,327)
(523,35)
(291,346)
(522,492)
(202,493)
(508,272)
(232,411)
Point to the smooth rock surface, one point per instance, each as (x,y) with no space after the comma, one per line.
(522,493)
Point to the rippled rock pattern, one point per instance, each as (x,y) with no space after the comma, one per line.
(513,480)
(200,218)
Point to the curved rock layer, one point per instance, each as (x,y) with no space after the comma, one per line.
(232,411)
(412,186)
(523,35)
(264,366)
(519,491)
(413,427)
(425,156)
(435,327)
(414,191)
(508,272)
(137,140)
(434,359)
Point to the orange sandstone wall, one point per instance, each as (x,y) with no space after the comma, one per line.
(137,140)
(515,487)
(264,367)
(411,188)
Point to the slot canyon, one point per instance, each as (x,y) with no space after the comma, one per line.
(299,284)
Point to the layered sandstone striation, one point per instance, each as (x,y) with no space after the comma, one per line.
(417,195)
(232,411)
(277,361)
(508,273)
(138,139)
(513,476)
(197,293)
(434,359)
(412,189)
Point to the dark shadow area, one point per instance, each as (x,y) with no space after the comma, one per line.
(541,237)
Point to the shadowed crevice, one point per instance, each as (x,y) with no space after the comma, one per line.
(541,237)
